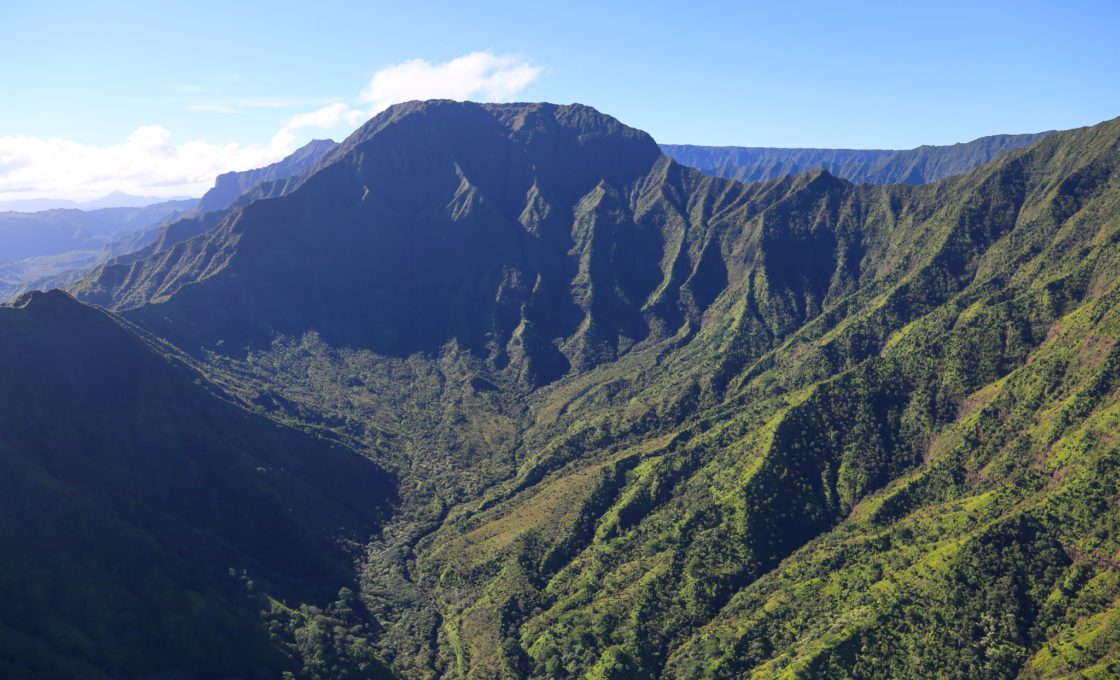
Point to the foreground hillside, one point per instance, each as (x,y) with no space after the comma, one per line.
(150,526)
(652,423)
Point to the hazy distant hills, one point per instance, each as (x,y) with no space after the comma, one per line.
(642,421)
(54,246)
(52,232)
(116,199)
(912,166)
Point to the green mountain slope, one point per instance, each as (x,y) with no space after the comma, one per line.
(927,478)
(921,165)
(147,523)
(650,423)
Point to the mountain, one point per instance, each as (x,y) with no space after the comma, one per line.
(420,207)
(653,423)
(913,166)
(149,524)
(231,185)
(116,199)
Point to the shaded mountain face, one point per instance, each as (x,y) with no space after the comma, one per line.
(652,423)
(539,237)
(912,166)
(481,216)
(146,521)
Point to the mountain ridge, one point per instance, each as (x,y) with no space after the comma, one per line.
(230,186)
(920,165)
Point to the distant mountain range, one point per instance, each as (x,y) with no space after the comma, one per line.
(913,166)
(116,199)
(54,247)
(617,418)
(57,231)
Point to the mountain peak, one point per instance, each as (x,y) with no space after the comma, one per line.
(51,302)
(580,122)
(37,297)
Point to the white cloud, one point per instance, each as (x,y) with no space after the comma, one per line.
(478,75)
(327,117)
(147,163)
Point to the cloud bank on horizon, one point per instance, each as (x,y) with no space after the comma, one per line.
(150,162)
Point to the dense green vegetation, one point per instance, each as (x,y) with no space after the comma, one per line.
(650,423)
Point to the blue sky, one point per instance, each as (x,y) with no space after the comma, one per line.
(232,75)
